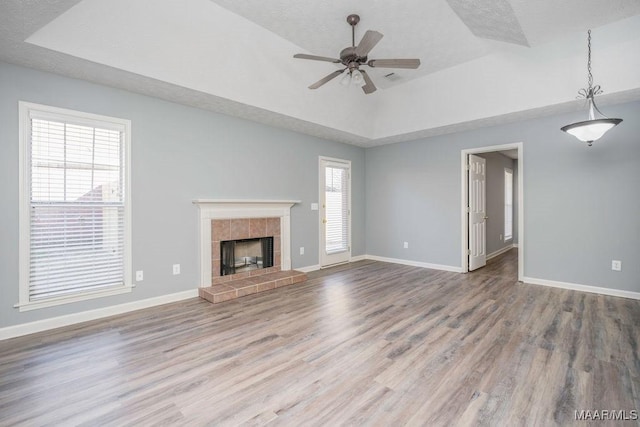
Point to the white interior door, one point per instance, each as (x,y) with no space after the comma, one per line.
(477,212)
(335,211)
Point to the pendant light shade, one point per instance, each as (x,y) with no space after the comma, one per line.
(590,130)
(594,128)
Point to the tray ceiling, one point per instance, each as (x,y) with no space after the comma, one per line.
(498,61)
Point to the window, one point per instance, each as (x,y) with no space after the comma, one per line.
(74,207)
(337,209)
(508,204)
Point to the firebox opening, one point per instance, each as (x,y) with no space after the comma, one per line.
(237,256)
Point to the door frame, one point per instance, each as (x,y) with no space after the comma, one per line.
(464,197)
(321,191)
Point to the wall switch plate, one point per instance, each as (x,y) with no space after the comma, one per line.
(176,269)
(406,245)
(139,276)
(301,250)
(501,237)
(616,265)
(314,206)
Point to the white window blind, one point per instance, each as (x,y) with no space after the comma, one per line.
(77,209)
(337,209)
(508,204)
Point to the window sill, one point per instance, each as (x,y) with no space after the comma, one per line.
(35,305)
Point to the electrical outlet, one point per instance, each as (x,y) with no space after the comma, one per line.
(301,250)
(406,245)
(616,265)
(176,269)
(314,206)
(139,276)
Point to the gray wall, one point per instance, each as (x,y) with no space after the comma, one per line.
(581,203)
(495,166)
(178,154)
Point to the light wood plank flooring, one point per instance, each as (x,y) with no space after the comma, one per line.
(366,344)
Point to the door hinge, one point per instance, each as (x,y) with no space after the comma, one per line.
(468,209)
(468,166)
(468,252)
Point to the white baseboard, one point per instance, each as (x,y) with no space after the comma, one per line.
(583,288)
(357,258)
(85,316)
(308,268)
(415,263)
(501,251)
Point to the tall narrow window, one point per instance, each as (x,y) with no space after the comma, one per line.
(74,208)
(508,204)
(337,206)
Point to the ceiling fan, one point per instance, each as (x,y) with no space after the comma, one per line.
(354,56)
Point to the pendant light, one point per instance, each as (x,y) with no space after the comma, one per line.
(592,129)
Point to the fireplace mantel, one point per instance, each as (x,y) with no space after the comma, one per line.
(209,209)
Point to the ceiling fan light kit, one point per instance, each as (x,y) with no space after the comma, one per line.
(353,57)
(594,128)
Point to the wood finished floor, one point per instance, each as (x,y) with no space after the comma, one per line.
(367,344)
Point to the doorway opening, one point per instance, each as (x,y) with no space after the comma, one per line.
(484,237)
(335,211)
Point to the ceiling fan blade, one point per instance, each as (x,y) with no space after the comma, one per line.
(316,58)
(368,42)
(394,63)
(324,80)
(369,87)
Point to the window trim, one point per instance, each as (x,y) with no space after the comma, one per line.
(24,132)
(509,171)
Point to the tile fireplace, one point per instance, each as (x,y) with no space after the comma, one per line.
(244,221)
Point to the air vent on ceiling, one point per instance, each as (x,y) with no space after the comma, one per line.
(393,77)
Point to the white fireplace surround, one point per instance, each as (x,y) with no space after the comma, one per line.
(209,209)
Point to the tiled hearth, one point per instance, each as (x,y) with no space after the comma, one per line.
(240,287)
(223,220)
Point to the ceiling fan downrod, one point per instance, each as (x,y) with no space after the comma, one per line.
(353,20)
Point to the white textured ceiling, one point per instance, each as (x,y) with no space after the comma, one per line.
(497,61)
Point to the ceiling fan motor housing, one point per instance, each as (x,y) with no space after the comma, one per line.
(349,56)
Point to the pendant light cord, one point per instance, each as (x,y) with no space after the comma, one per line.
(589,60)
(591,90)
